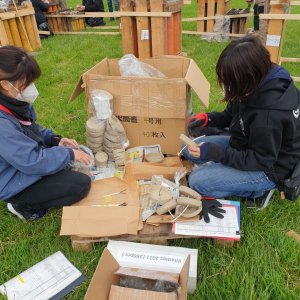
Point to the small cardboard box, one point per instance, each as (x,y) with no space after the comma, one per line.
(156,257)
(152,110)
(105,277)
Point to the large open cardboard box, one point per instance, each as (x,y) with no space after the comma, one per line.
(104,278)
(152,110)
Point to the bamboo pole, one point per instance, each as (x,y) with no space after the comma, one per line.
(8,33)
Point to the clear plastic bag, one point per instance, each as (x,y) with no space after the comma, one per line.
(102,103)
(78,165)
(4,5)
(221,30)
(131,66)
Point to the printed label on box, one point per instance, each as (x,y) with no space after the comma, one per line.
(150,259)
(145,35)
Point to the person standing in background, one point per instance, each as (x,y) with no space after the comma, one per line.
(111,8)
(92,6)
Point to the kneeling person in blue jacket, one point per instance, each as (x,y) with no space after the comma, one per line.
(33,160)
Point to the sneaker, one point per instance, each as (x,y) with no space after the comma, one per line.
(26,214)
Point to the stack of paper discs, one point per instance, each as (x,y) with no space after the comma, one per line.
(119,157)
(101,159)
(95,131)
(114,136)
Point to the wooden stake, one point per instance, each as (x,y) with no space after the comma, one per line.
(143,30)
(157,29)
(22,26)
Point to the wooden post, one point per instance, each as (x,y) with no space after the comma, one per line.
(15,32)
(127,28)
(276,32)
(143,30)
(201,13)
(157,29)
(210,13)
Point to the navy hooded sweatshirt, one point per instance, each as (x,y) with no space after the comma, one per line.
(264,129)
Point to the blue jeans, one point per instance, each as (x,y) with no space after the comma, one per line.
(220,181)
(110,5)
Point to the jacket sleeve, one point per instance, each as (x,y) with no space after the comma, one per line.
(262,151)
(221,119)
(27,156)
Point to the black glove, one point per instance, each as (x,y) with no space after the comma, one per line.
(212,207)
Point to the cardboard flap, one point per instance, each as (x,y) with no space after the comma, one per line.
(103,277)
(183,279)
(99,221)
(77,90)
(198,82)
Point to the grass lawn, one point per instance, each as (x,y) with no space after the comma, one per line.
(266,264)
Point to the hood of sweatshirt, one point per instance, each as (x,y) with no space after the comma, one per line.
(277,91)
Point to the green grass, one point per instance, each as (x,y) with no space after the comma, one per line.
(266,264)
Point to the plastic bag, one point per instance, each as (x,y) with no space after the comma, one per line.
(102,103)
(4,5)
(131,66)
(221,30)
(78,165)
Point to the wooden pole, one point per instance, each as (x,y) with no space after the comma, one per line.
(22,25)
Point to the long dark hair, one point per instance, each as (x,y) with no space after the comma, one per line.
(242,65)
(16,64)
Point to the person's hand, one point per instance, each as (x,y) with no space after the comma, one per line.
(68,143)
(82,157)
(195,151)
(212,207)
(196,123)
(46,1)
(81,8)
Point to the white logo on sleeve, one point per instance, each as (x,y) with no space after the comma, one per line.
(296,113)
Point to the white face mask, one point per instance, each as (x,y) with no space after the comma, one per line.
(28,95)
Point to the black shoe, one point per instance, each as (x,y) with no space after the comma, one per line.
(22,214)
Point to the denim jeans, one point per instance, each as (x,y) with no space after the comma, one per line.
(110,5)
(217,180)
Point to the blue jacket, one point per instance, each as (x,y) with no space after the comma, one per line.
(22,160)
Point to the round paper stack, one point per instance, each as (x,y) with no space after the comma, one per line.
(115,137)
(101,159)
(119,157)
(95,131)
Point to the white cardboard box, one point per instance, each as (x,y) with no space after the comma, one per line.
(154,257)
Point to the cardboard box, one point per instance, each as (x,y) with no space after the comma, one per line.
(105,277)
(152,110)
(121,293)
(156,257)
(145,170)
(89,217)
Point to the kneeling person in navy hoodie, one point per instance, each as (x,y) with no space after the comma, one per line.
(34,174)
(260,145)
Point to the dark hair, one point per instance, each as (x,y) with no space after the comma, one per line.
(241,67)
(16,64)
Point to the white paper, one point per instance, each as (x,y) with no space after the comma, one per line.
(144,258)
(273,40)
(145,35)
(227,227)
(42,281)
(107,171)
